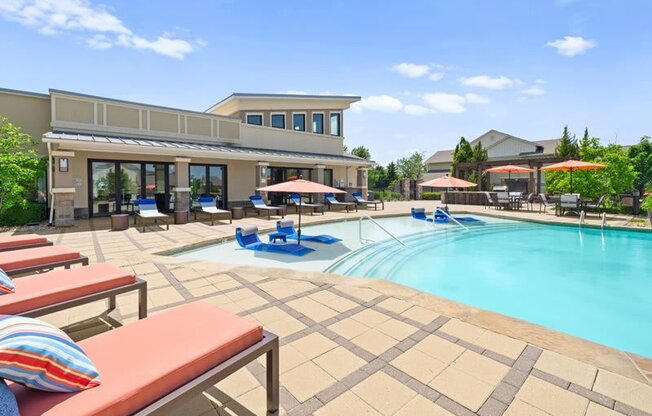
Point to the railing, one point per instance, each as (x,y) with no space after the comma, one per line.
(604,220)
(451,218)
(582,215)
(366,240)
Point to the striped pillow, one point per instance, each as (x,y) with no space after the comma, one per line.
(43,357)
(6,285)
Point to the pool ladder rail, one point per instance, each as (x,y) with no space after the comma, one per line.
(450,217)
(366,240)
(603,219)
(582,215)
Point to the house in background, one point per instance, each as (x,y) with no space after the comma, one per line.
(502,149)
(107,153)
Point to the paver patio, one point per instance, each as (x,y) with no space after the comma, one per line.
(364,346)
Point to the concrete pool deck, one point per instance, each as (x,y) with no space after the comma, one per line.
(365,346)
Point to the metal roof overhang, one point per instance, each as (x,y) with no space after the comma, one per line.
(93,143)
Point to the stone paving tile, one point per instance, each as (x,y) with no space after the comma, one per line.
(567,369)
(422,315)
(439,349)
(624,390)
(384,393)
(462,330)
(461,387)
(347,404)
(306,380)
(419,365)
(312,309)
(482,368)
(374,341)
(599,410)
(422,406)
(339,362)
(501,344)
(552,399)
(520,408)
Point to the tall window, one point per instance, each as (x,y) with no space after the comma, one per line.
(318,123)
(278,121)
(299,122)
(335,124)
(256,119)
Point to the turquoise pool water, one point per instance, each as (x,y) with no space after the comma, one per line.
(588,283)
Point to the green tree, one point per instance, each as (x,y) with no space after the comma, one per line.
(19,166)
(641,158)
(411,167)
(567,146)
(362,152)
(392,173)
(463,153)
(590,148)
(378,177)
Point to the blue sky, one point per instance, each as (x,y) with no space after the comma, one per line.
(428,71)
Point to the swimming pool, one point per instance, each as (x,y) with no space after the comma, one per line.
(589,283)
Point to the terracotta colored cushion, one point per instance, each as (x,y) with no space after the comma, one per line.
(144,360)
(21,240)
(11,260)
(36,291)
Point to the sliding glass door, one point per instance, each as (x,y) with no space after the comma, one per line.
(209,180)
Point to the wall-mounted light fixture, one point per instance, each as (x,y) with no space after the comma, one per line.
(63,164)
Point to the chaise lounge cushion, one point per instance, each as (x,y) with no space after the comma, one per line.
(12,260)
(21,241)
(37,291)
(144,360)
(6,284)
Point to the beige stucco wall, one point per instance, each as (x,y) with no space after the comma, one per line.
(30,112)
(122,116)
(269,138)
(510,147)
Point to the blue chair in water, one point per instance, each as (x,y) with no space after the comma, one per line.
(287,227)
(247,238)
(419,214)
(438,216)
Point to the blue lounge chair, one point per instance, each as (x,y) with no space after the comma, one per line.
(438,216)
(207,207)
(260,206)
(332,202)
(296,199)
(148,211)
(359,200)
(247,238)
(419,214)
(287,227)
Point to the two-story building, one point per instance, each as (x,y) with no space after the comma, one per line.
(502,149)
(106,153)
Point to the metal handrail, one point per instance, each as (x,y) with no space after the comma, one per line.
(604,220)
(366,240)
(582,215)
(451,218)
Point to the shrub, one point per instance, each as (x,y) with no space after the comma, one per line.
(21,215)
(387,195)
(431,196)
(646,205)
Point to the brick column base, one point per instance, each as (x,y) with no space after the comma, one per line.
(64,209)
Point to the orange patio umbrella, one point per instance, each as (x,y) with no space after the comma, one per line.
(509,169)
(448,182)
(300,186)
(571,165)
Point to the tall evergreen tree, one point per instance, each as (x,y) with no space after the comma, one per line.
(392,172)
(567,146)
(463,153)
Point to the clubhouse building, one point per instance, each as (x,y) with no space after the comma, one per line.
(105,153)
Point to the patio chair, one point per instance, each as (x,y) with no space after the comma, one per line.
(569,203)
(359,200)
(516,199)
(207,207)
(157,364)
(19,242)
(489,202)
(502,200)
(544,203)
(419,214)
(247,238)
(296,199)
(287,227)
(333,202)
(595,206)
(58,290)
(260,206)
(147,211)
(39,259)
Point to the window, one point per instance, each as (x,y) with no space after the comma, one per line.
(299,122)
(335,124)
(278,121)
(328,177)
(318,123)
(256,119)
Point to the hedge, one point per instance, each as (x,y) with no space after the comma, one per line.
(32,212)
(431,196)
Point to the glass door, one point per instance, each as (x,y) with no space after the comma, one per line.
(156,185)
(102,193)
(130,186)
(208,180)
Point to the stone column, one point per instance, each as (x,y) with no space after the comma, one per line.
(63,190)
(363,181)
(182,190)
(319,178)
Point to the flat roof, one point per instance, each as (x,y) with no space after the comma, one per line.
(265,96)
(21,92)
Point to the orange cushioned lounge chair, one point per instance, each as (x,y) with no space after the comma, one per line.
(32,260)
(58,290)
(159,363)
(19,242)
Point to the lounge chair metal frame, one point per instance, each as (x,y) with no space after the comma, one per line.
(45,244)
(82,260)
(212,215)
(110,294)
(359,200)
(144,218)
(268,345)
(345,205)
(259,209)
(311,207)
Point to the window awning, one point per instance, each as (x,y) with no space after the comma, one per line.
(132,145)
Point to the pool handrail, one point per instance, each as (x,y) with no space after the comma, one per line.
(364,240)
(450,217)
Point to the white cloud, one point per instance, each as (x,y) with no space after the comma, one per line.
(416,110)
(444,102)
(104,30)
(411,70)
(540,82)
(572,45)
(534,90)
(485,81)
(436,76)
(382,103)
(472,98)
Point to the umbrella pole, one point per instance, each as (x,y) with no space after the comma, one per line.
(571,181)
(299,231)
